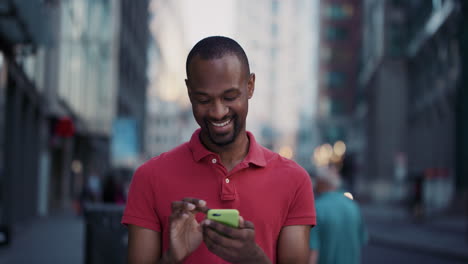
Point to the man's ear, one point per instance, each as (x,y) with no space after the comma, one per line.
(187,84)
(251,85)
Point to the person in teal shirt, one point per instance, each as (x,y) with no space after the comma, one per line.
(340,233)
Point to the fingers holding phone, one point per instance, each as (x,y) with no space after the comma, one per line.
(185,232)
(229,236)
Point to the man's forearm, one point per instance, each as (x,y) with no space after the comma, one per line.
(313,257)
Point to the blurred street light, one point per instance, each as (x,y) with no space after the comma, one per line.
(77,167)
(326,150)
(339,148)
(326,154)
(322,155)
(335,158)
(286,151)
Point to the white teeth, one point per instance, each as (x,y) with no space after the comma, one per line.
(221,124)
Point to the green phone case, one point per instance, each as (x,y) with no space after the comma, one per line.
(228,217)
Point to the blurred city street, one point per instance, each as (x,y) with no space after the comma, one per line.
(91,89)
(397,238)
(54,239)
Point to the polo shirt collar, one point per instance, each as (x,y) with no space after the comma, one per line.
(255,155)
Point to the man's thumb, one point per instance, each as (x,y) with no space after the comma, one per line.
(241,222)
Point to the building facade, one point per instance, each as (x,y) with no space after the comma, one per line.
(340,40)
(461,166)
(410,76)
(87,86)
(280,44)
(169,114)
(132,77)
(383,105)
(58,76)
(434,64)
(26,47)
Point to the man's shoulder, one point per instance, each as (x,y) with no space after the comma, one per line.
(282,164)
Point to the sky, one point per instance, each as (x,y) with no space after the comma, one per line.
(208,17)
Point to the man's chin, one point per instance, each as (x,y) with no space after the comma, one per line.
(222,140)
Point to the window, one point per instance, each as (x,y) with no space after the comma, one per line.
(335,133)
(274,29)
(396,40)
(335,79)
(341,56)
(274,6)
(339,11)
(336,107)
(336,33)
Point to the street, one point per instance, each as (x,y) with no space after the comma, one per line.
(56,239)
(393,238)
(388,255)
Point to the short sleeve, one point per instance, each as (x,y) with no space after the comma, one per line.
(314,238)
(302,208)
(140,208)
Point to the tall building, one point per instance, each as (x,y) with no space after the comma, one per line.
(87,84)
(308,135)
(382,115)
(169,116)
(461,166)
(433,55)
(280,46)
(168,125)
(57,101)
(26,46)
(339,45)
(128,147)
(409,78)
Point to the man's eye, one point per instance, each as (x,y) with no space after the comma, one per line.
(203,101)
(230,98)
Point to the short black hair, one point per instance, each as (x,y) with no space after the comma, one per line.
(216,47)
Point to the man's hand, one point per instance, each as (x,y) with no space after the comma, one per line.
(185,234)
(236,245)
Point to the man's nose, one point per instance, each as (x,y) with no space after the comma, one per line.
(218,110)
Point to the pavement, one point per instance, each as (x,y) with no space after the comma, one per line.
(55,239)
(444,235)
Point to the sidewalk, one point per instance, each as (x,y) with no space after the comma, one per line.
(54,239)
(445,235)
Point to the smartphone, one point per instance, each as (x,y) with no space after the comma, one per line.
(229,217)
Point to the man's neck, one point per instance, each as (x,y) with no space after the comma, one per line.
(234,153)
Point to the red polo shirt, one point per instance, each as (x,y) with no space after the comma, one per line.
(267,189)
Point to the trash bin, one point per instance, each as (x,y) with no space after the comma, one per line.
(4,235)
(105,237)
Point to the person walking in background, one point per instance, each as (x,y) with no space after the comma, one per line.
(222,166)
(112,191)
(348,172)
(340,232)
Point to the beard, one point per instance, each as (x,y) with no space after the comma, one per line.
(225,138)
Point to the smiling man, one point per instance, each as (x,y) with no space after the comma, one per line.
(222,166)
